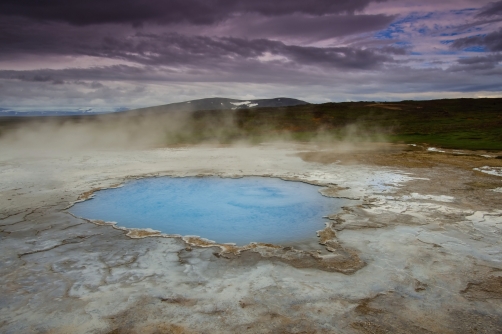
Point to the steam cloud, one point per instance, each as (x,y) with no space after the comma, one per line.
(147,129)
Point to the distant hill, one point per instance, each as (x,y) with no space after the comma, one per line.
(219,103)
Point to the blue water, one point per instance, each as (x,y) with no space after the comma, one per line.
(224,210)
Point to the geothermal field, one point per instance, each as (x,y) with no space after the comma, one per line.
(243,228)
(251,166)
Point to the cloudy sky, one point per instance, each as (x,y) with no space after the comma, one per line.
(131,53)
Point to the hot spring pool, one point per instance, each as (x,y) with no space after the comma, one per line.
(224,210)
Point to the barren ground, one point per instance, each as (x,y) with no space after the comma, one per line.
(418,251)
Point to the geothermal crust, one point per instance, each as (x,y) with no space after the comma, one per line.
(418,250)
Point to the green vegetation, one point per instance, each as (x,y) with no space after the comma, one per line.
(456,123)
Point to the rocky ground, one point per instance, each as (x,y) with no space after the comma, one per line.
(418,250)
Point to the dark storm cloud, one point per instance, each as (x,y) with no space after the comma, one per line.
(479,63)
(168,11)
(204,59)
(468,75)
(311,27)
(495,58)
(492,41)
(495,8)
(38,78)
(173,49)
(170,49)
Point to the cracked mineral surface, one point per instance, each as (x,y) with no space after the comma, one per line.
(418,250)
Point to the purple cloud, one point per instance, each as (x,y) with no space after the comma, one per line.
(495,8)
(141,52)
(492,41)
(171,11)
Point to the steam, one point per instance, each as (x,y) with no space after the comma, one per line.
(147,129)
(45,135)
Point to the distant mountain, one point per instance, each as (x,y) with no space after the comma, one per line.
(218,103)
(46,113)
(24,112)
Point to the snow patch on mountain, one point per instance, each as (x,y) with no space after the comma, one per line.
(241,103)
